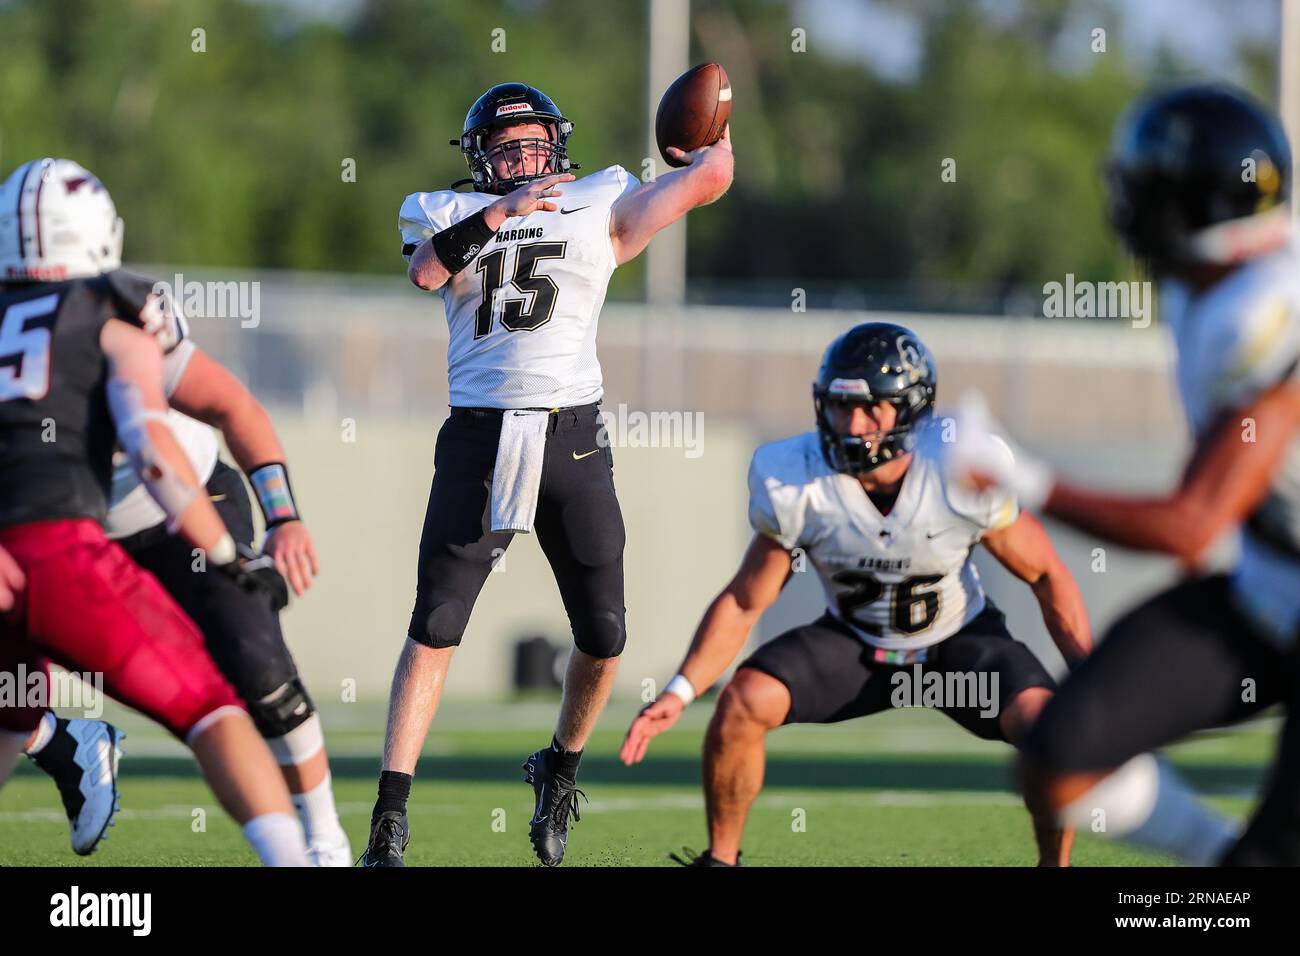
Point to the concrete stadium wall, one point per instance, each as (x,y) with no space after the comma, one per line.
(354,371)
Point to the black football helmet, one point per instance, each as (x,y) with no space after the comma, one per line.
(1198,174)
(502,105)
(874,362)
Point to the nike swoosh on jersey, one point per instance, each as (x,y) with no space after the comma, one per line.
(577,457)
(565,212)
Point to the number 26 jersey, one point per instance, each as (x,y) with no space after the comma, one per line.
(901,581)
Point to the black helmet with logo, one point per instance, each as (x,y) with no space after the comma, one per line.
(874,362)
(503,105)
(1198,173)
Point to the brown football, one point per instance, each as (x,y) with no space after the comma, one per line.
(693,110)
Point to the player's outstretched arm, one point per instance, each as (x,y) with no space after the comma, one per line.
(1229,475)
(139,409)
(445,253)
(719,638)
(637,216)
(1024,548)
(207,391)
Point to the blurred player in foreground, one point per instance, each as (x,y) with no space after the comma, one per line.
(241,629)
(1198,179)
(81,369)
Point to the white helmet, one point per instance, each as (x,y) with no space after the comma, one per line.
(57,221)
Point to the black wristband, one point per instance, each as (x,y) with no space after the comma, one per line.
(274,494)
(457,245)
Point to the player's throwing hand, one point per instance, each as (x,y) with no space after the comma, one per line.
(653,720)
(690,158)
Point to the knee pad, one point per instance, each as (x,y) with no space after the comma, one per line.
(445,623)
(282,710)
(600,633)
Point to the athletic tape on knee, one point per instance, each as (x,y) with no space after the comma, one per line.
(298,745)
(172,492)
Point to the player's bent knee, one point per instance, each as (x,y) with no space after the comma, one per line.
(188,715)
(601,634)
(752,698)
(445,624)
(283,710)
(1022,713)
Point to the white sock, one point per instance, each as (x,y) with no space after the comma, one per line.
(320,818)
(43,733)
(1145,803)
(277,839)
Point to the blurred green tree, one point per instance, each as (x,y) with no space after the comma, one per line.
(234,155)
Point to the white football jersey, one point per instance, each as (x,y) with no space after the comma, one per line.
(130,506)
(1234,341)
(901,581)
(522,317)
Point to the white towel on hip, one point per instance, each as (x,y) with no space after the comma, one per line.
(517,477)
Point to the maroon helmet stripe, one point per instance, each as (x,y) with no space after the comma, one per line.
(22,183)
(40,247)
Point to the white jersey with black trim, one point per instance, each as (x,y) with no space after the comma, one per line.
(1235,341)
(522,317)
(901,581)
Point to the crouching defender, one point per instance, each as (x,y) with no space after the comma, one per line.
(864,499)
(241,630)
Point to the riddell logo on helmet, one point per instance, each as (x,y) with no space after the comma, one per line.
(513,108)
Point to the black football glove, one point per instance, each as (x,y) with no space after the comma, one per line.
(256,573)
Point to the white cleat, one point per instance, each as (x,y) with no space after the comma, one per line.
(323,853)
(97,755)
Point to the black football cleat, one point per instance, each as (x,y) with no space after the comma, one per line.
(702,859)
(557,800)
(389,837)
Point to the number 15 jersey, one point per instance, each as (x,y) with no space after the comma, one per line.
(901,581)
(522,316)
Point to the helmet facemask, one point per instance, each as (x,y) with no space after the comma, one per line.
(857,455)
(548,156)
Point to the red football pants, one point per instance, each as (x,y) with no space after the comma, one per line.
(89,608)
